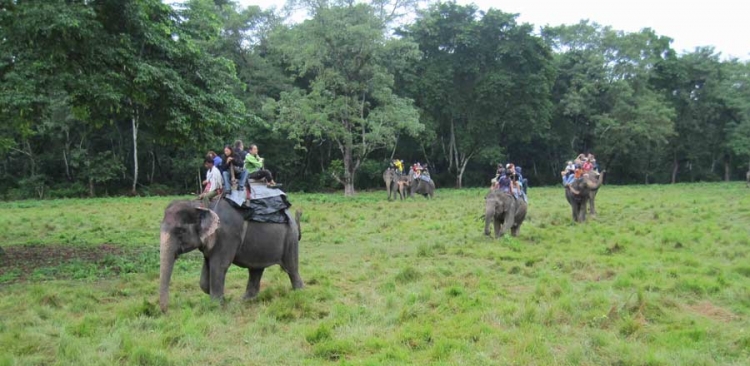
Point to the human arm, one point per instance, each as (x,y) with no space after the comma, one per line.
(253,162)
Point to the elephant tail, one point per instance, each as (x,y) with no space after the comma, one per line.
(297,216)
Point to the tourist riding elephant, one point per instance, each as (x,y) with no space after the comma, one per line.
(582,192)
(225,238)
(504,211)
(420,186)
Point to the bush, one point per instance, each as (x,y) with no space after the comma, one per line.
(68,190)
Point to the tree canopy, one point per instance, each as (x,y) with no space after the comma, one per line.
(103,97)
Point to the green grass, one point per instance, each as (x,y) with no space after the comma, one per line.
(661,277)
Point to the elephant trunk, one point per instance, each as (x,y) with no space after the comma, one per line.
(168,255)
(489,216)
(574,191)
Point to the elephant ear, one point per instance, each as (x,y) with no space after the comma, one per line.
(209,223)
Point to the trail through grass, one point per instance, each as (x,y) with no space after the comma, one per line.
(661,277)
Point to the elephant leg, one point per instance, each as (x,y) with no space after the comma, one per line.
(290,265)
(489,216)
(582,211)
(498,227)
(510,220)
(205,284)
(514,230)
(217,272)
(253,283)
(388,184)
(295,279)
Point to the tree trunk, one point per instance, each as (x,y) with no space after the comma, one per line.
(675,169)
(67,166)
(134,121)
(91,187)
(727,168)
(153,168)
(713,163)
(393,152)
(348,171)
(461,170)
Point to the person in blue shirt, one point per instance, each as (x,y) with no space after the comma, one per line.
(216,158)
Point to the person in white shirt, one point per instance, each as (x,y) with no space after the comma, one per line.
(213,182)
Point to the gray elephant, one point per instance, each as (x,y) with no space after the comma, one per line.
(395,183)
(225,237)
(504,211)
(419,186)
(582,193)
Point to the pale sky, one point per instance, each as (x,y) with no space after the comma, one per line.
(723,24)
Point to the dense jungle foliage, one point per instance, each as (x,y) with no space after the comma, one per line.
(107,97)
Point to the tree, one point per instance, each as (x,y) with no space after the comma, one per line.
(168,83)
(605,99)
(737,88)
(484,82)
(345,65)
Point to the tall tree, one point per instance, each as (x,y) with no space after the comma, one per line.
(484,81)
(347,64)
(605,100)
(167,83)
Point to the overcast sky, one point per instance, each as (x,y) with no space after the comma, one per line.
(723,24)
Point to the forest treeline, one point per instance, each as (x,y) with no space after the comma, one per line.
(105,97)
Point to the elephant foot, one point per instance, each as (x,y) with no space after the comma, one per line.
(249,296)
(218,300)
(297,283)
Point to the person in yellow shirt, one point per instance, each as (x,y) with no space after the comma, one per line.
(399,164)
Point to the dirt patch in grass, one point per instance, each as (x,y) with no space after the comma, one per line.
(714,312)
(31,262)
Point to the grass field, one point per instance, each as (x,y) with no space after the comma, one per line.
(661,277)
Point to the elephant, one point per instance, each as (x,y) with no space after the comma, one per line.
(582,192)
(419,186)
(395,183)
(403,184)
(225,238)
(504,211)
